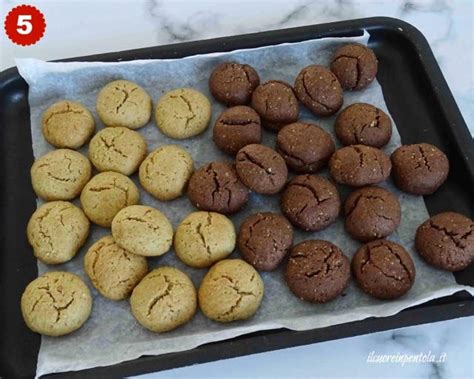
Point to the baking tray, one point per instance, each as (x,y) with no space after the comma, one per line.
(418,99)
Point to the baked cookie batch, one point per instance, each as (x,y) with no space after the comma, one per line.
(316,271)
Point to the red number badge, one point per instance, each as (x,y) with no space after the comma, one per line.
(25,25)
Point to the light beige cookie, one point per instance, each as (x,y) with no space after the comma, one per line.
(166,171)
(60,174)
(67,124)
(231,290)
(117,149)
(113,271)
(203,238)
(56,231)
(105,195)
(123,103)
(183,113)
(56,303)
(164,299)
(143,231)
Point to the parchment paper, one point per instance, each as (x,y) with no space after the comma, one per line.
(112,335)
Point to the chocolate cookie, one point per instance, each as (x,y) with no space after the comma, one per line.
(232,83)
(216,187)
(446,241)
(371,213)
(237,127)
(318,89)
(276,104)
(310,202)
(264,240)
(383,269)
(305,147)
(355,66)
(419,169)
(317,271)
(359,165)
(363,124)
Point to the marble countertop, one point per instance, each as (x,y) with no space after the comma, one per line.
(77,28)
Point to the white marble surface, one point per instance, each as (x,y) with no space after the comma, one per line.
(78,28)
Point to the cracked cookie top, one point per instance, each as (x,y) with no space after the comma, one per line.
(56,303)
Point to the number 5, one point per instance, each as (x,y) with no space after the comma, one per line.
(24,24)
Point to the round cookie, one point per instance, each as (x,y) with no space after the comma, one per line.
(203,238)
(317,271)
(117,149)
(261,169)
(371,213)
(164,299)
(56,231)
(264,240)
(231,290)
(105,195)
(363,124)
(113,271)
(216,187)
(183,113)
(67,124)
(354,65)
(419,169)
(319,90)
(310,202)
(60,174)
(235,128)
(56,303)
(165,172)
(359,165)
(123,103)
(276,104)
(232,83)
(446,241)
(142,230)
(305,147)
(383,269)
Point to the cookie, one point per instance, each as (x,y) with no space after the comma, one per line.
(60,174)
(371,213)
(165,172)
(419,169)
(56,231)
(216,187)
(232,83)
(318,89)
(163,300)
(355,66)
(142,230)
(317,271)
(310,202)
(117,149)
(359,165)
(237,127)
(231,290)
(123,103)
(305,147)
(183,113)
(446,241)
(276,104)
(203,238)
(383,269)
(113,271)
(67,124)
(56,303)
(261,169)
(105,195)
(363,124)
(264,240)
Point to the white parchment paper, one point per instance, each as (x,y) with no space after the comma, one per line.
(112,335)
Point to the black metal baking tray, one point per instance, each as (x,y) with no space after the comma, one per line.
(418,99)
